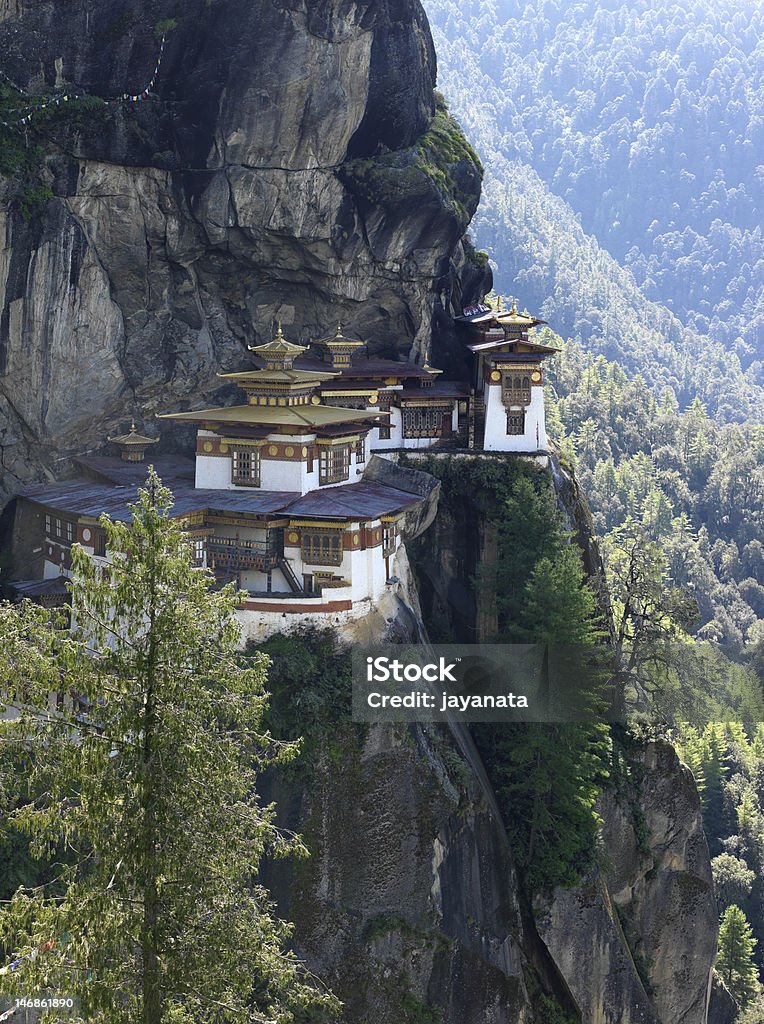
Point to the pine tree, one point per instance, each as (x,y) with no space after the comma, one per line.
(548,776)
(735,961)
(146,775)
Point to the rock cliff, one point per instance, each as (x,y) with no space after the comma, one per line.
(637,940)
(290,164)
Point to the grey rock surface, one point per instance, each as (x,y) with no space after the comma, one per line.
(637,941)
(285,168)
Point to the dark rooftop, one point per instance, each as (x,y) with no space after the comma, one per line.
(57,585)
(83,498)
(351,501)
(113,470)
(86,498)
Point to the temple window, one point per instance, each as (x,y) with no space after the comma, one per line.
(517,389)
(60,529)
(384,431)
(423,422)
(199,546)
(245,467)
(321,547)
(516,423)
(334,463)
(360,450)
(389,538)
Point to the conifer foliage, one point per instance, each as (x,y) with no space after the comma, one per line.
(142,779)
(735,962)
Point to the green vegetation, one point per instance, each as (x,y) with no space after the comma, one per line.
(735,961)
(729,759)
(165,27)
(638,125)
(546,777)
(310,685)
(23,149)
(694,487)
(441,160)
(147,776)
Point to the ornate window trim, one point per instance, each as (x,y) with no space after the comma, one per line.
(516,387)
(321,546)
(245,466)
(423,420)
(333,463)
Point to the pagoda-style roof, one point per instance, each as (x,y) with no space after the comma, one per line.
(297,418)
(339,341)
(133,445)
(292,376)
(484,317)
(518,320)
(133,439)
(279,354)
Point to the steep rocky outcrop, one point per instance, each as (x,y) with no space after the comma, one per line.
(636,942)
(425,924)
(291,165)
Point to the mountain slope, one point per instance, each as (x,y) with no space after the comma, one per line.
(542,251)
(648,118)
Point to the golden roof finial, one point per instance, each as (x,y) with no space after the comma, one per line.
(132,425)
(498,304)
(339,329)
(279,332)
(514,307)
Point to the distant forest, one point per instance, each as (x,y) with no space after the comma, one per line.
(624,154)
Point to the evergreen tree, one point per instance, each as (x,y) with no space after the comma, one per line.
(147,774)
(548,776)
(735,963)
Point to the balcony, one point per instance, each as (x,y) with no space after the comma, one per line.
(234,555)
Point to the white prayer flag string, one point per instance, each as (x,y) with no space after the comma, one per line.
(55,101)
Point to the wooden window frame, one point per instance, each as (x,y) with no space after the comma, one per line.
(360,451)
(516,388)
(519,416)
(389,538)
(321,547)
(423,421)
(333,463)
(250,477)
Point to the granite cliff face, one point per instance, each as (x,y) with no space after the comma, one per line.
(430,920)
(636,941)
(292,165)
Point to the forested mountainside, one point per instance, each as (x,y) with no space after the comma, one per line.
(637,125)
(693,485)
(653,409)
(648,118)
